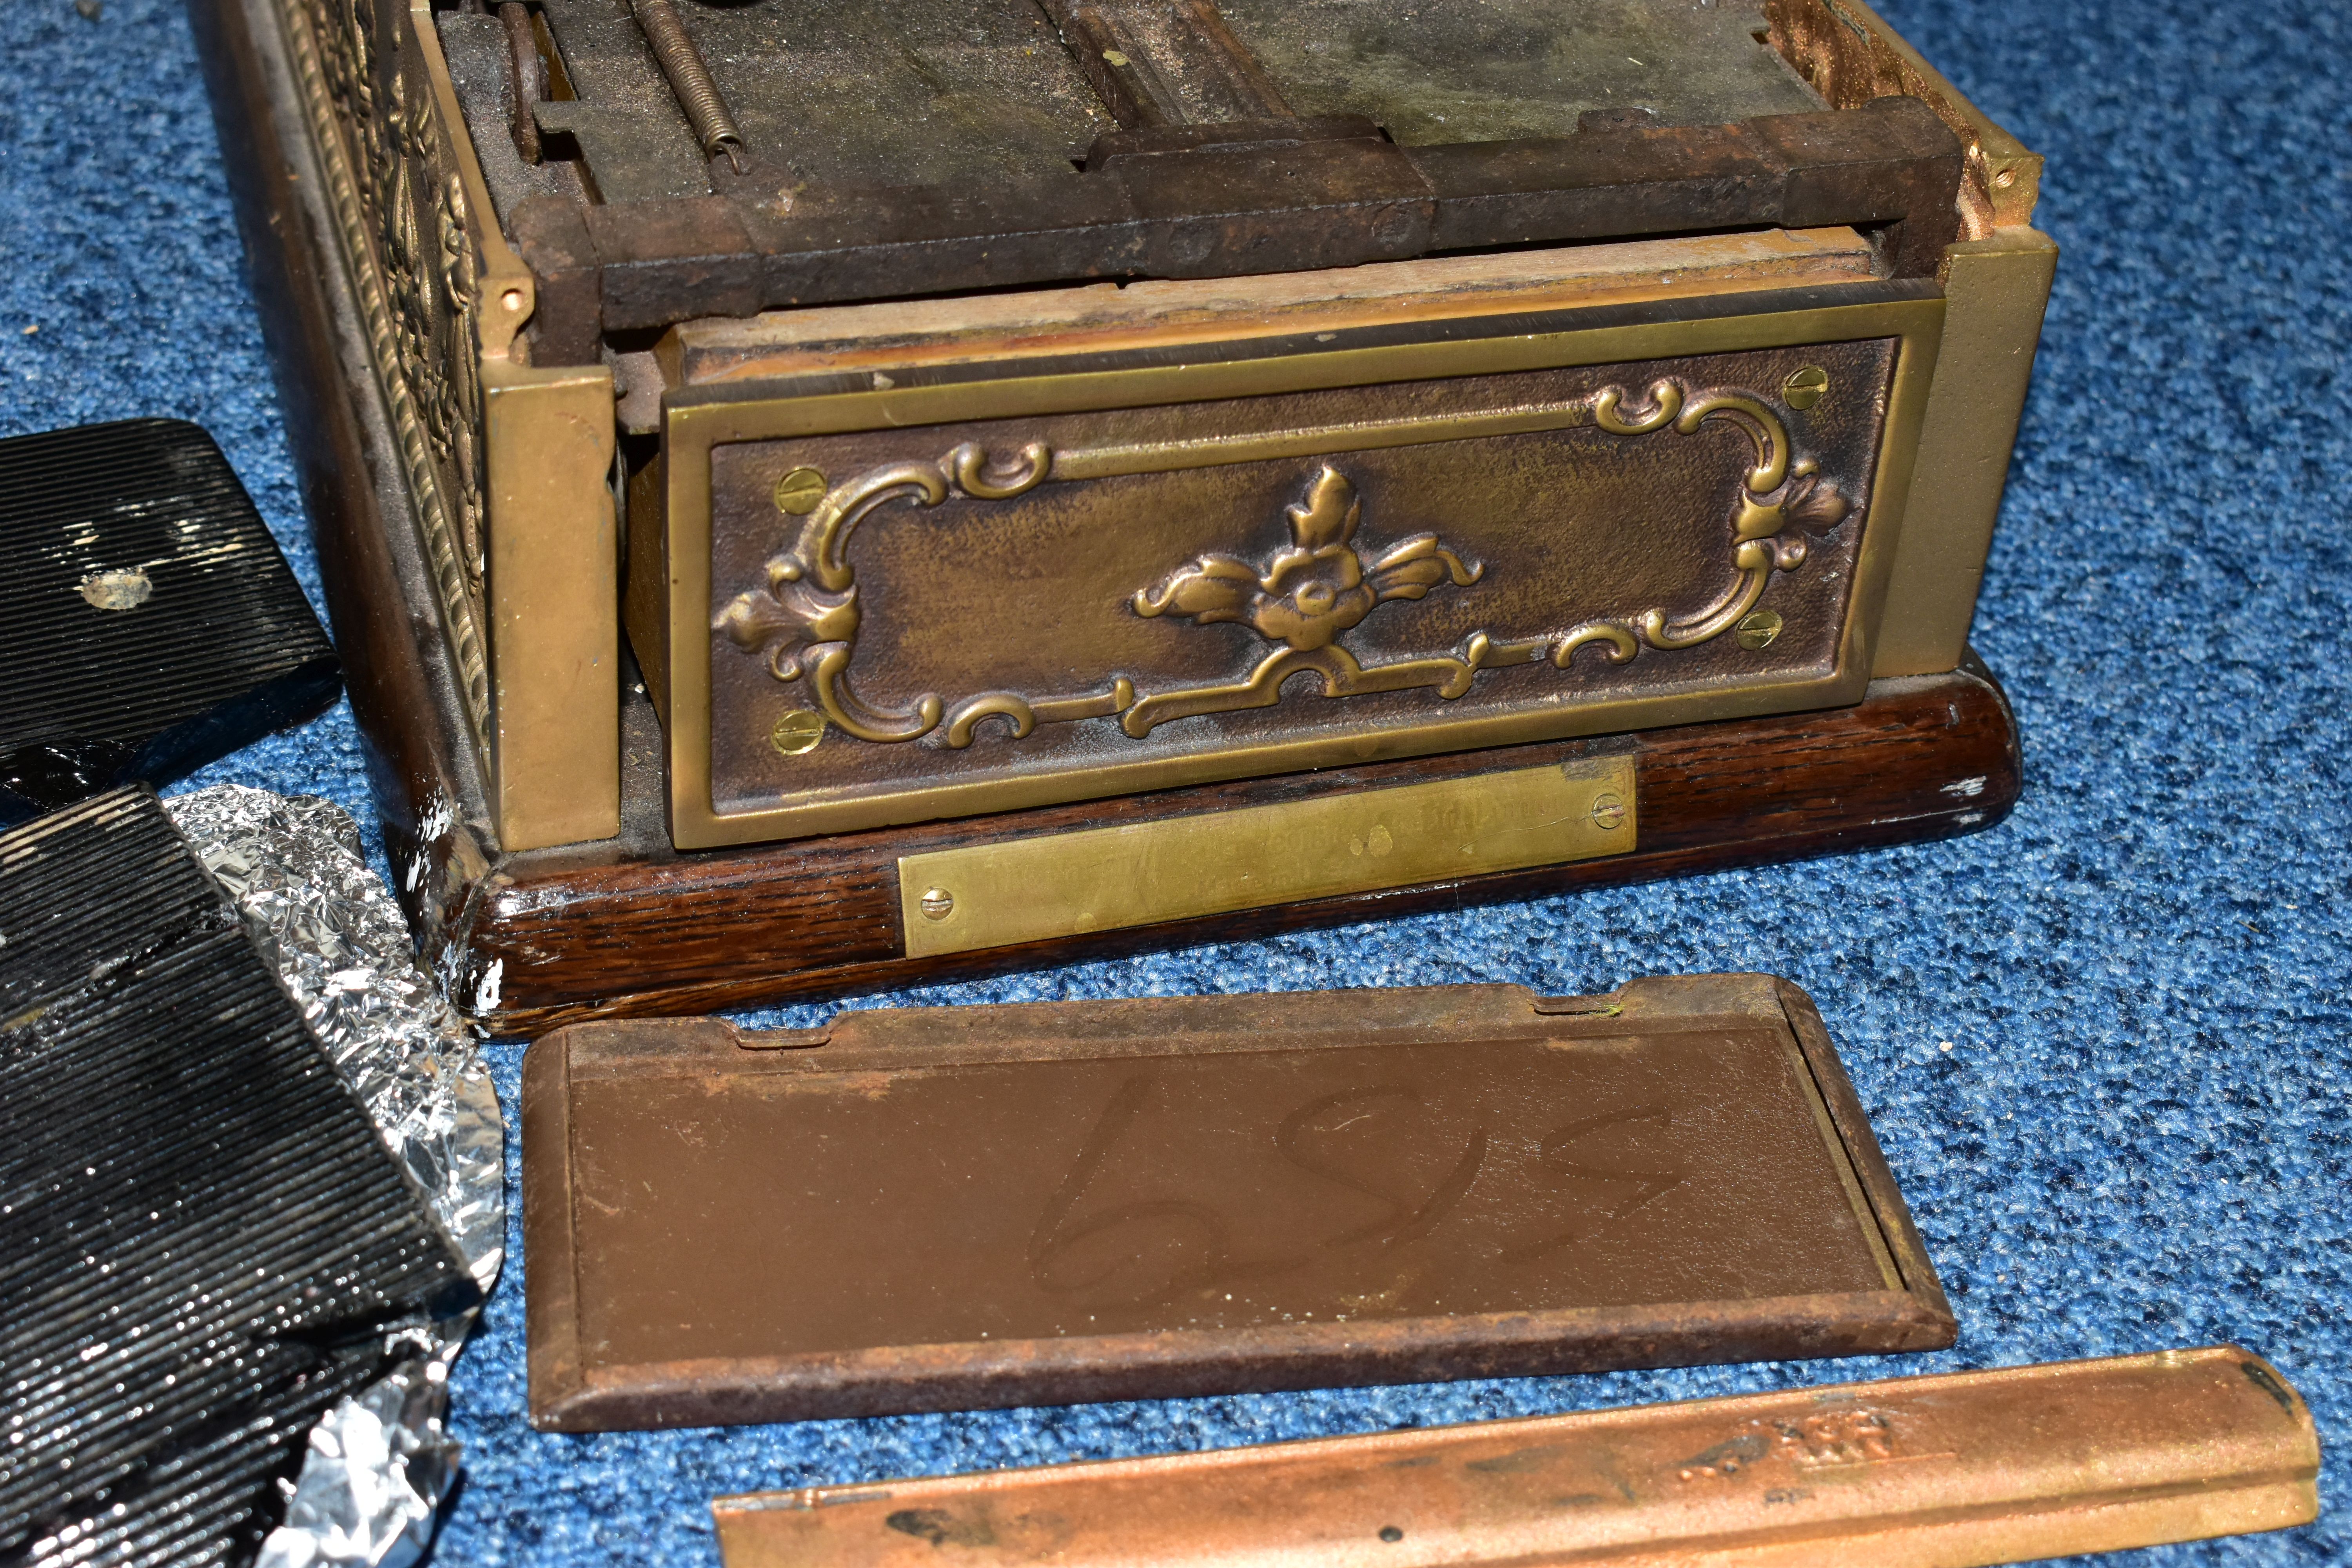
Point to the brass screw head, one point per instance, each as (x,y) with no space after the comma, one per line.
(1759,630)
(797,731)
(1607,810)
(937,903)
(1805,387)
(800,491)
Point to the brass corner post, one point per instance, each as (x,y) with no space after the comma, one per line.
(1995,285)
(553,590)
(1995,289)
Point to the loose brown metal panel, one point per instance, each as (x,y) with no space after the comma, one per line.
(947,1208)
(1925,1472)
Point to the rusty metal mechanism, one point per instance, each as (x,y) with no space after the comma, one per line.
(1967,1468)
(946,1208)
(689,77)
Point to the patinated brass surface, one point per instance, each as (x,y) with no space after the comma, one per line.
(1954,1471)
(1028,890)
(1519,536)
(935,1208)
(1994,292)
(505,463)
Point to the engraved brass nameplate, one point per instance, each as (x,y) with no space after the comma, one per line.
(980,595)
(1106,879)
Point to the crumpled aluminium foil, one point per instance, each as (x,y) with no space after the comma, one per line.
(379,1463)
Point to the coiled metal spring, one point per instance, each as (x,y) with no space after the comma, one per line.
(690,79)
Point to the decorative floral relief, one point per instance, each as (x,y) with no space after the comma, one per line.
(402,222)
(1317,588)
(1305,597)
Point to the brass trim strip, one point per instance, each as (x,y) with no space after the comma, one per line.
(1965,1468)
(1313,441)
(1146,873)
(697,425)
(555,596)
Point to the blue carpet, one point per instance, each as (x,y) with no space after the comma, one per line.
(2105,1045)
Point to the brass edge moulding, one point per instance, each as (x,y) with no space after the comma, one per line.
(385,189)
(695,427)
(1995,292)
(1145,873)
(1954,1470)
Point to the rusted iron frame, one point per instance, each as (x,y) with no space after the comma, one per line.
(1288,196)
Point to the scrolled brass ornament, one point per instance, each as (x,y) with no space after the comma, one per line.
(1306,596)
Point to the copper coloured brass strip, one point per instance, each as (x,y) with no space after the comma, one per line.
(1965,1468)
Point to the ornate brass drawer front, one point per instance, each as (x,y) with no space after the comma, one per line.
(932,601)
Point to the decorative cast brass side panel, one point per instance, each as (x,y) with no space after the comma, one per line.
(508,463)
(405,224)
(923,603)
(1107,879)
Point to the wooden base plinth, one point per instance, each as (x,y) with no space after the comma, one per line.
(630,926)
(635,927)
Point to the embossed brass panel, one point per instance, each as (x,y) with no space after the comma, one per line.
(1022,589)
(1103,878)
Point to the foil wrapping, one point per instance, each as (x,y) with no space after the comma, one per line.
(379,1463)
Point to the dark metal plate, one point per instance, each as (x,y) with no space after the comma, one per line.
(147,619)
(203,1238)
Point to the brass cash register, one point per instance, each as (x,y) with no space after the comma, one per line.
(815,494)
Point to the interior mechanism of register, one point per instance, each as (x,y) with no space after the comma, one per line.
(909,147)
(920,92)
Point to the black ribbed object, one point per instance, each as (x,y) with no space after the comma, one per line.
(208,643)
(203,1236)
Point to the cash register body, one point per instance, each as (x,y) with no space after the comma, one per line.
(986,484)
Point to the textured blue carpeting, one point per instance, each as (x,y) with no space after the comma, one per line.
(2105,1045)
